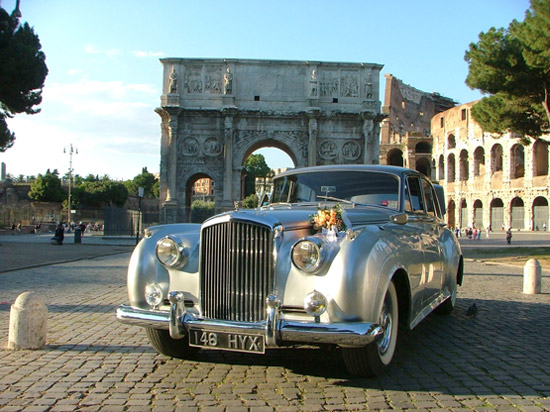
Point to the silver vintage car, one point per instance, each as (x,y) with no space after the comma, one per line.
(338,255)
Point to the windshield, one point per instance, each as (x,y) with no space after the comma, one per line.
(368,187)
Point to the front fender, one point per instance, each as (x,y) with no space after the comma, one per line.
(145,268)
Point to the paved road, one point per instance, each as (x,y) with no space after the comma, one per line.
(495,361)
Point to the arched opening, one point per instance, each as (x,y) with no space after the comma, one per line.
(478,214)
(423,147)
(479,161)
(497,214)
(517,162)
(518,213)
(423,166)
(451,141)
(496,158)
(463,166)
(395,157)
(540,158)
(200,198)
(261,162)
(540,213)
(451,209)
(451,168)
(441,168)
(464,213)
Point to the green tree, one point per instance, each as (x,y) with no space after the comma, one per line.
(512,67)
(146,180)
(47,188)
(23,71)
(255,166)
(103,193)
(201,210)
(251,201)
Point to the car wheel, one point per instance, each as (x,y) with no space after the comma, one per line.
(161,341)
(374,358)
(447,306)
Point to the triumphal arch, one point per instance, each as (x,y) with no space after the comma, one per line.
(216,112)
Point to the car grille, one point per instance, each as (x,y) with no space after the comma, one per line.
(236,271)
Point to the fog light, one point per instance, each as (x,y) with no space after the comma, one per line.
(315,303)
(153,294)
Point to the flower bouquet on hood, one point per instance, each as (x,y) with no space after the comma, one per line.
(328,219)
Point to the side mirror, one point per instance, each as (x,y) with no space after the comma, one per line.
(399,219)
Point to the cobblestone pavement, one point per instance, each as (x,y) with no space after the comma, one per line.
(496,361)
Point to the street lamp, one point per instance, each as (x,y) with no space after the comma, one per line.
(70,150)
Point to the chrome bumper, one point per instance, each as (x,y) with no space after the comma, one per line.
(275,330)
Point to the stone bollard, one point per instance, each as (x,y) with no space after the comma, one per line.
(532,273)
(28,322)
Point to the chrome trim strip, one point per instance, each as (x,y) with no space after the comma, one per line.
(345,334)
(146,318)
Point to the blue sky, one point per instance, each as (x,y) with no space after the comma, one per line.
(105,77)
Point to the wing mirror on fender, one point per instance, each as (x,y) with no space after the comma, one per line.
(399,219)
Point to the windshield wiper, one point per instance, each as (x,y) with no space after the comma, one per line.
(335,199)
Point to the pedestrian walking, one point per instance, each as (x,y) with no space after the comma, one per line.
(509,236)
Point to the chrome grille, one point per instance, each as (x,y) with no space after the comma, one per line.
(236,271)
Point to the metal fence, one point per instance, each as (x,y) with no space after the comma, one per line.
(112,221)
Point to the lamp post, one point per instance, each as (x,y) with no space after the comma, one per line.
(70,150)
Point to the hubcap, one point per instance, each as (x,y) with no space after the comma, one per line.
(386,323)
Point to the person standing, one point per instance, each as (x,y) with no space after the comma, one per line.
(509,236)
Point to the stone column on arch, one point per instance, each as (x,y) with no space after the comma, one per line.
(369,151)
(172,155)
(228,161)
(313,133)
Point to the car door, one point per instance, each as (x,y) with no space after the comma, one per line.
(423,216)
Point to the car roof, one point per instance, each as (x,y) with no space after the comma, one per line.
(397,170)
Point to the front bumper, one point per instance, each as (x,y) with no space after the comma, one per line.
(275,330)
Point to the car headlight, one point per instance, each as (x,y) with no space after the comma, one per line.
(171,253)
(308,255)
(153,294)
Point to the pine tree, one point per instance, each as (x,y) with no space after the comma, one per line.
(512,67)
(23,71)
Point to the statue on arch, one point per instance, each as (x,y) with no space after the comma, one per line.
(313,84)
(173,85)
(228,82)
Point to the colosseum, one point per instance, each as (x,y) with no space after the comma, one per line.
(490,180)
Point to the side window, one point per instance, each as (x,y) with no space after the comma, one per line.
(429,198)
(415,194)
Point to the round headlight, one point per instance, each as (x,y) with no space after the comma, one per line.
(153,294)
(307,255)
(171,253)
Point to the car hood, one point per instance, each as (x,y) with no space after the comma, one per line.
(299,217)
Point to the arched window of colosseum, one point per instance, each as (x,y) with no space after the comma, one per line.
(496,158)
(479,161)
(451,213)
(518,213)
(441,168)
(451,141)
(423,147)
(517,162)
(540,213)
(463,166)
(424,167)
(395,157)
(478,214)
(540,158)
(464,222)
(497,214)
(451,168)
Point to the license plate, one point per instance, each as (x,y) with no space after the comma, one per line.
(238,342)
